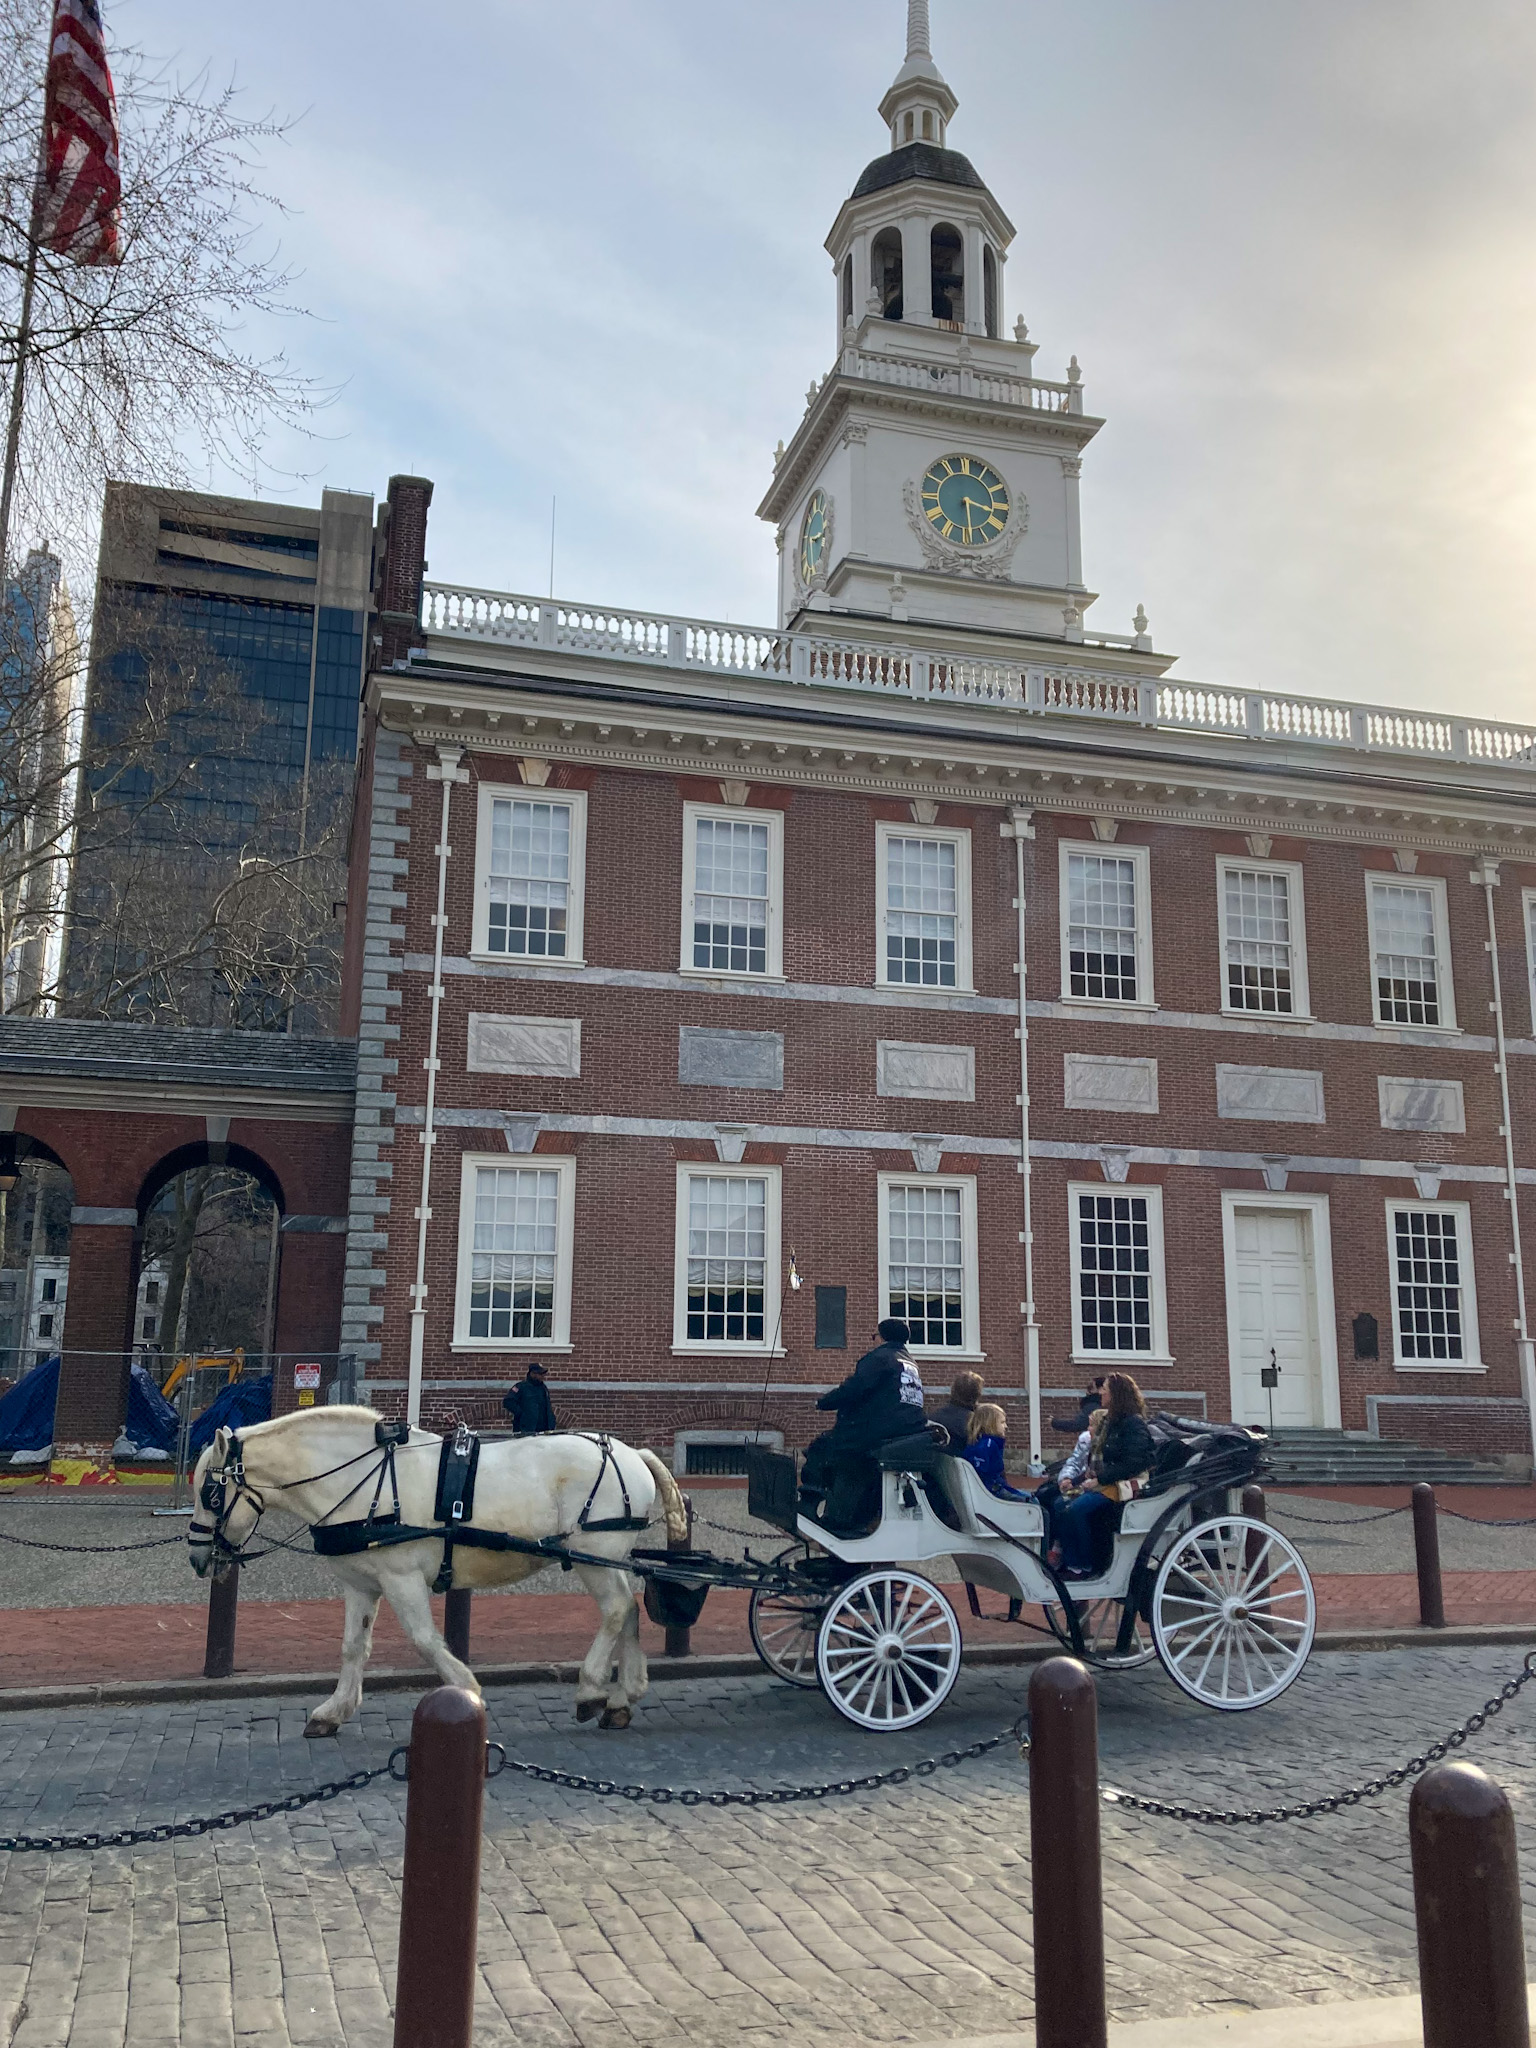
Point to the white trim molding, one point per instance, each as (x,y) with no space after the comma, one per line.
(769,819)
(1471,1360)
(968,1351)
(564,1169)
(1127,1194)
(575,801)
(1320,1228)
(887,829)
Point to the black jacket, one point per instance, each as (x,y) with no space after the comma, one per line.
(956,1420)
(868,1404)
(1074,1425)
(531,1409)
(1125,1450)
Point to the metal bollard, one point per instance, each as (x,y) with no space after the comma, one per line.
(1254,1504)
(1256,1508)
(456,1622)
(440,1893)
(679,1641)
(1070,2005)
(223,1601)
(1466,1900)
(1426,1551)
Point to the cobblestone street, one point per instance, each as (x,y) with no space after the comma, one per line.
(901,1916)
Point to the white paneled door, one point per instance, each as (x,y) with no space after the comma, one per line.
(1276,1319)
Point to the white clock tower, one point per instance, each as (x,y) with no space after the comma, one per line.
(934,478)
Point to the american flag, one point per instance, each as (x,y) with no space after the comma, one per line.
(79,182)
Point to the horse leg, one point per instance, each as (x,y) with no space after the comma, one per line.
(633,1672)
(599,1689)
(356,1642)
(407,1593)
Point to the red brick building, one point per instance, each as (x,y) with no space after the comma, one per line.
(934,943)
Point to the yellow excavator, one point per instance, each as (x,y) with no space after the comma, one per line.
(232,1361)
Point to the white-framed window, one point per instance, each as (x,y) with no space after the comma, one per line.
(530,873)
(1410,952)
(929,1269)
(1434,1294)
(515,1230)
(733,891)
(1528,906)
(923,906)
(1263,938)
(1106,925)
(1119,1293)
(727,1283)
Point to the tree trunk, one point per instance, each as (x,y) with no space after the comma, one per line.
(191,1191)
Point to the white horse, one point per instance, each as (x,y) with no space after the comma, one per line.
(326,1466)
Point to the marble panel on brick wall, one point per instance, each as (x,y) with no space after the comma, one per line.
(1270,1095)
(1421,1105)
(1108,1081)
(928,1073)
(729,1059)
(524,1045)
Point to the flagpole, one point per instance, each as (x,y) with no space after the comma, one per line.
(18,390)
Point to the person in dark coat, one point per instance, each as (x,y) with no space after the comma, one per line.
(881,1400)
(955,1415)
(529,1405)
(1121,1456)
(1091,1402)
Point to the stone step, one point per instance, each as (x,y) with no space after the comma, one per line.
(1327,1457)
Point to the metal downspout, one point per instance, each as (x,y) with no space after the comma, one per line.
(1485,876)
(448,772)
(1022,828)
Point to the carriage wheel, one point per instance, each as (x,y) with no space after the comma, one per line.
(1099,1621)
(1233,1613)
(783,1626)
(888,1650)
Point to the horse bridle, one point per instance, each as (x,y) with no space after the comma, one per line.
(218,1496)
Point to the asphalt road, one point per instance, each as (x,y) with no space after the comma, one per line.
(896,1916)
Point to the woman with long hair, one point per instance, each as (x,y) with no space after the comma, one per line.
(1119,1461)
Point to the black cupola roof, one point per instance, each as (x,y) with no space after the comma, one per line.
(919,160)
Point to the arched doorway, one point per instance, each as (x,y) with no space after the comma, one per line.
(210,1218)
(36,1203)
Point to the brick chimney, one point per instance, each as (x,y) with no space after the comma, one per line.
(400,562)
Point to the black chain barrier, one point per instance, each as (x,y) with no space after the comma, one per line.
(1334,1802)
(93,1549)
(1284,1508)
(779,1795)
(181,1830)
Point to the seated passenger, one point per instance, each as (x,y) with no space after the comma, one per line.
(1120,1456)
(955,1415)
(880,1401)
(986,1440)
(1090,1404)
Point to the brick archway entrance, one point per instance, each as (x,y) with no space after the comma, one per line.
(124,1108)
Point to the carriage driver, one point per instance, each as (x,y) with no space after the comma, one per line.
(881,1400)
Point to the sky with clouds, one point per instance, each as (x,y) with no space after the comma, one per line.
(576,251)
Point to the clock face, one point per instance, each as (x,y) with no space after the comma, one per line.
(814,533)
(965,501)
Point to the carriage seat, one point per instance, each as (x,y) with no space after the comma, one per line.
(970,1500)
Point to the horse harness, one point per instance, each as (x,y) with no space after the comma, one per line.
(453,1506)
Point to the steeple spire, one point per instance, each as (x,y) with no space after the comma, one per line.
(919,105)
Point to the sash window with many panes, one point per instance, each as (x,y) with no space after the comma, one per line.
(530,861)
(727,1257)
(732,885)
(1106,939)
(1264,962)
(928,1251)
(924,882)
(1118,1306)
(514,1252)
(1408,940)
(1434,1310)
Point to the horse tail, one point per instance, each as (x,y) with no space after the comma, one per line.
(673,1505)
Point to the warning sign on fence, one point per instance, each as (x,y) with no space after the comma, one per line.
(306,1382)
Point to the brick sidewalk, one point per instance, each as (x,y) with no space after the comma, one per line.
(97,1645)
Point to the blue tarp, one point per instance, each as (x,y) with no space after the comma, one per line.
(237,1407)
(151,1421)
(26,1413)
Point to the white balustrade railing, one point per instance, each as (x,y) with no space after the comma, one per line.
(961,380)
(1075,690)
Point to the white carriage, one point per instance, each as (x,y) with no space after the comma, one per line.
(1222,1599)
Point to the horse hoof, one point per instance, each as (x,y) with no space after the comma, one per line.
(313,1729)
(615,1717)
(588,1710)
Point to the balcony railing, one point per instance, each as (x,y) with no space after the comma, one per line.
(960,380)
(1065,689)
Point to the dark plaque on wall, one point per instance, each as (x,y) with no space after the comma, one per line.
(831,1319)
(1367,1337)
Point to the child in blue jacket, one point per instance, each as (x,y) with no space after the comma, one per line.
(988,1436)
